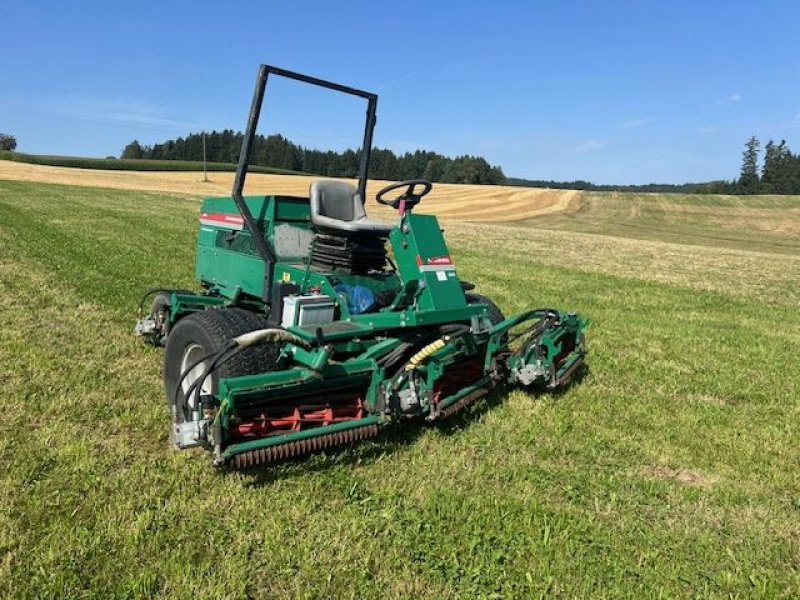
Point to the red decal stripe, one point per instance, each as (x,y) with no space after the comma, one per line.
(440,260)
(222,219)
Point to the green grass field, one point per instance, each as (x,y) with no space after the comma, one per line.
(670,469)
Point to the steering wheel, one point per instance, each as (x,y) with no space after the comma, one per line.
(407,199)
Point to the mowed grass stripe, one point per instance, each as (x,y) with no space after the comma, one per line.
(669,468)
(108,245)
(768,278)
(758,223)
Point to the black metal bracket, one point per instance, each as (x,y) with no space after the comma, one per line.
(262,244)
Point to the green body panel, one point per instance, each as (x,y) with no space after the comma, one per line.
(227,263)
(231,274)
(421,254)
(227,259)
(183,304)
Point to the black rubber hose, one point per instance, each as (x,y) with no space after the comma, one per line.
(188,370)
(453,329)
(416,339)
(222,356)
(534,330)
(216,355)
(395,355)
(148,293)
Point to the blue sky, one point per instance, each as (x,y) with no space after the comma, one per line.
(612,92)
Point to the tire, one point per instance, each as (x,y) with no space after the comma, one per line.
(160,303)
(495,314)
(204,332)
(160,310)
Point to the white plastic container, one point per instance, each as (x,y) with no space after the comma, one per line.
(307,310)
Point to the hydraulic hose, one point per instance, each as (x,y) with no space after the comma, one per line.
(197,385)
(186,371)
(536,329)
(414,361)
(225,353)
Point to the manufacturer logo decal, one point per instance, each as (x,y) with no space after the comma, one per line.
(440,260)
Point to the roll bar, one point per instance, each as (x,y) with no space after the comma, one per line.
(264,71)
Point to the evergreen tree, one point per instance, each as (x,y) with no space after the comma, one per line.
(785,171)
(770,170)
(749,179)
(781,171)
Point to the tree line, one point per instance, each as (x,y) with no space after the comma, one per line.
(278,152)
(779,173)
(580,184)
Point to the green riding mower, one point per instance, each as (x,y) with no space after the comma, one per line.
(317,326)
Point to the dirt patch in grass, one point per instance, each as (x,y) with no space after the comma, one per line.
(685,476)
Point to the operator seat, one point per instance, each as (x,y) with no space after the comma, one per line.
(336,208)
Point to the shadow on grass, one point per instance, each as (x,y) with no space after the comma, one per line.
(392,439)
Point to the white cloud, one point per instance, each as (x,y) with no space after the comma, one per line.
(637,123)
(587,146)
(136,112)
(705,130)
(735,97)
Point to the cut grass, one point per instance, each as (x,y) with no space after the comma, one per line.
(761,223)
(461,202)
(670,469)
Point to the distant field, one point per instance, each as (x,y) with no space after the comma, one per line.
(763,223)
(450,201)
(128,164)
(670,470)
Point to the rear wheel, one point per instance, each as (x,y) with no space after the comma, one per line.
(202,333)
(160,313)
(495,314)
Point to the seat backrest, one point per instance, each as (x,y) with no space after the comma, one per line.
(335,200)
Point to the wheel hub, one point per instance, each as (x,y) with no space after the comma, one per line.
(192,353)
